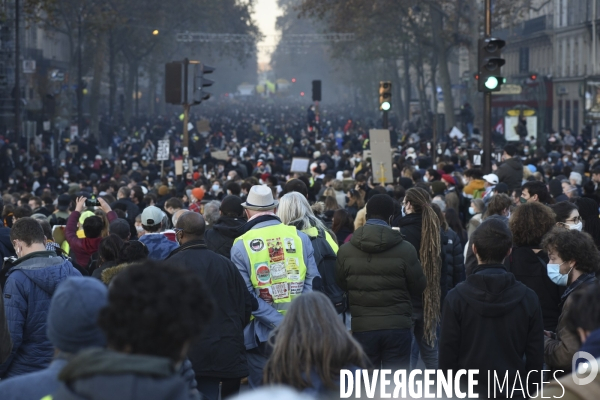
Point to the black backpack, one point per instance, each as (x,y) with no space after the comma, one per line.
(326,260)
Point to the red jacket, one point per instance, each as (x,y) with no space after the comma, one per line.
(82,249)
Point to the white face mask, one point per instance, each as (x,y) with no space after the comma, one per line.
(215,188)
(471,211)
(578,226)
(234,163)
(555,275)
(425,179)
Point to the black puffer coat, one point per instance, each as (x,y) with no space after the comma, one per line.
(455,259)
(220,238)
(219,352)
(411,226)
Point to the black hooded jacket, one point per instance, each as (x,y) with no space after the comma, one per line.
(511,173)
(219,352)
(220,238)
(492,322)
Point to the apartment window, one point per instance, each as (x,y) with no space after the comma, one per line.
(560,114)
(575,117)
(524,59)
(567,113)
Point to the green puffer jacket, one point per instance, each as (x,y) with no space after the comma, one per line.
(380,271)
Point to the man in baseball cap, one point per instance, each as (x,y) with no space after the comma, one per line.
(159,246)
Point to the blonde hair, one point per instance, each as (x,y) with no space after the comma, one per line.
(295,210)
(311,338)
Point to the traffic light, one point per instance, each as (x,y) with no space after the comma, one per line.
(174,83)
(385,95)
(490,61)
(184,82)
(533,77)
(316,90)
(200,82)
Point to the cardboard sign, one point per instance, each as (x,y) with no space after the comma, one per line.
(220,155)
(475,157)
(203,125)
(178,167)
(162,151)
(381,157)
(300,164)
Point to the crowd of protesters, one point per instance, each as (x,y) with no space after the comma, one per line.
(124,282)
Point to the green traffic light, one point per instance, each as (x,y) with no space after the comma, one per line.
(385,106)
(491,83)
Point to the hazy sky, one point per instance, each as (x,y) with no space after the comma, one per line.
(266,13)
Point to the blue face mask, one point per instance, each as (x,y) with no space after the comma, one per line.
(403,212)
(555,275)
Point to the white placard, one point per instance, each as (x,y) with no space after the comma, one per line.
(381,157)
(455,133)
(162,152)
(510,131)
(299,164)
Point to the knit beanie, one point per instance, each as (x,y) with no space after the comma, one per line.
(73,314)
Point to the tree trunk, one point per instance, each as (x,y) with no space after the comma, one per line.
(474,33)
(407,82)
(152,76)
(129,88)
(398,94)
(440,48)
(112,76)
(95,92)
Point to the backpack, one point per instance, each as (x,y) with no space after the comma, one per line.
(54,220)
(93,263)
(326,260)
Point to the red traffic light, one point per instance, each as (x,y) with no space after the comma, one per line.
(533,77)
(476,77)
(293,80)
(302,94)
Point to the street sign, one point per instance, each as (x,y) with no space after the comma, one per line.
(509,89)
(162,153)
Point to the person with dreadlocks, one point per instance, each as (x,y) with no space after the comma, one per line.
(420,227)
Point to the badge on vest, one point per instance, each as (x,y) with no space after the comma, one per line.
(292,269)
(290,245)
(278,271)
(263,273)
(257,244)
(275,250)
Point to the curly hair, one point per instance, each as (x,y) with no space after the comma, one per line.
(530,222)
(430,257)
(154,308)
(572,245)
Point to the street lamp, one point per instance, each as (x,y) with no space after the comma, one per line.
(155,32)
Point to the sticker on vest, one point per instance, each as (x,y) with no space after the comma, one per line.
(290,245)
(278,271)
(292,268)
(265,295)
(275,250)
(296,288)
(257,245)
(263,273)
(280,291)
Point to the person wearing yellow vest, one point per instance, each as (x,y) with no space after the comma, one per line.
(277,263)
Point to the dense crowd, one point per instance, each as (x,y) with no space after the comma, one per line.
(123,282)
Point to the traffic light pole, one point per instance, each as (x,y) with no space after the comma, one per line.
(487,103)
(385,122)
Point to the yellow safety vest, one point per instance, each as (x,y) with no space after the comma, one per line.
(277,269)
(314,232)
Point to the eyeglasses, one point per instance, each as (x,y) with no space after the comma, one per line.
(576,219)
(177,230)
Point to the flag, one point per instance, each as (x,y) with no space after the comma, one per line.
(500,127)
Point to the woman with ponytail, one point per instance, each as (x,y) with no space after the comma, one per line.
(421,227)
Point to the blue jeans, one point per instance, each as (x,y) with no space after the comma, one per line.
(429,354)
(387,349)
